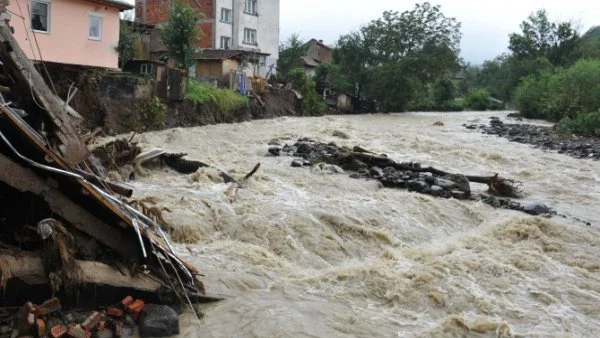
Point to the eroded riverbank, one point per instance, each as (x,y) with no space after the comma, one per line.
(303,254)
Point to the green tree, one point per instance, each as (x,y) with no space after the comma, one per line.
(353,56)
(125,48)
(290,55)
(443,91)
(541,38)
(180,33)
(396,58)
(590,44)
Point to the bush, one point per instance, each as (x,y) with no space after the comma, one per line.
(479,99)
(313,104)
(585,124)
(443,91)
(561,93)
(153,113)
(533,96)
(225,100)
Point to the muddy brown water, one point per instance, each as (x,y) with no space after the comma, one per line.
(303,254)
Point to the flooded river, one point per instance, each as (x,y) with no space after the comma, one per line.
(303,254)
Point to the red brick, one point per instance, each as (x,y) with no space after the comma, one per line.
(126,301)
(41,327)
(131,307)
(137,311)
(51,305)
(92,321)
(58,331)
(115,312)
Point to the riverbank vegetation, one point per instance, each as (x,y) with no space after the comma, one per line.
(552,72)
(224,100)
(410,61)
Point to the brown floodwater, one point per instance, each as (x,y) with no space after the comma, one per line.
(306,254)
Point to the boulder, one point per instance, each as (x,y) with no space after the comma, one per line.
(377,172)
(274,150)
(536,209)
(417,186)
(158,321)
(357,165)
(297,163)
(340,134)
(304,148)
(436,190)
(461,181)
(444,184)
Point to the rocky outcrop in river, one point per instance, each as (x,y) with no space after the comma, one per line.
(542,137)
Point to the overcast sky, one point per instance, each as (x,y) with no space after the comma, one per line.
(485,24)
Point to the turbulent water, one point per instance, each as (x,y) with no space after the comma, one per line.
(304,254)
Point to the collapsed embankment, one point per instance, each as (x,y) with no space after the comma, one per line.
(121,102)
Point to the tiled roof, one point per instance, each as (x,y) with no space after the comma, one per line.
(121,5)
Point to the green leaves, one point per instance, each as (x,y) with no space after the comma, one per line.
(180,33)
(397,57)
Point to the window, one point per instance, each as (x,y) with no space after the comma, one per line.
(250,6)
(225,15)
(250,36)
(146,68)
(40,16)
(95,26)
(225,42)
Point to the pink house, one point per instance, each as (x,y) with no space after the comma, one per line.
(79,32)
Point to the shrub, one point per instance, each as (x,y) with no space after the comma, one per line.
(584,124)
(479,99)
(313,104)
(153,113)
(443,91)
(561,93)
(224,100)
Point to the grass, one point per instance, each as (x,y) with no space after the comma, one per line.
(225,100)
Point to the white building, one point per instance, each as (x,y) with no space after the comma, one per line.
(251,25)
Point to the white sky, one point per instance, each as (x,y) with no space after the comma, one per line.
(485,24)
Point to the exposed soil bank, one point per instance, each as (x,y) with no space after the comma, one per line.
(542,137)
(116,102)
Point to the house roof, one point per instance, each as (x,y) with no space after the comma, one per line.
(223,54)
(121,5)
(310,62)
(315,41)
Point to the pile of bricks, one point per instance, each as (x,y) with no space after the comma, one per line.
(48,320)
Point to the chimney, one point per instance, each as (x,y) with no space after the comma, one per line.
(321,41)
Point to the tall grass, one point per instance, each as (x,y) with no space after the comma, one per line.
(225,100)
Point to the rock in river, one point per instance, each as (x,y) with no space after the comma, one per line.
(536,209)
(158,321)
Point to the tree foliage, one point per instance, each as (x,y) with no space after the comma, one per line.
(556,41)
(290,54)
(125,48)
(397,57)
(180,33)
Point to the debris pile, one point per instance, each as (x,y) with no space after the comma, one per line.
(361,163)
(127,318)
(66,229)
(542,137)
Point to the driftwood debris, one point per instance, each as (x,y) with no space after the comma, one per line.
(411,176)
(234,186)
(497,185)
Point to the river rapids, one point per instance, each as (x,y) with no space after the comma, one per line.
(304,254)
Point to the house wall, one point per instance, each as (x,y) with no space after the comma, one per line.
(67,40)
(209,68)
(155,12)
(266,24)
(318,52)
